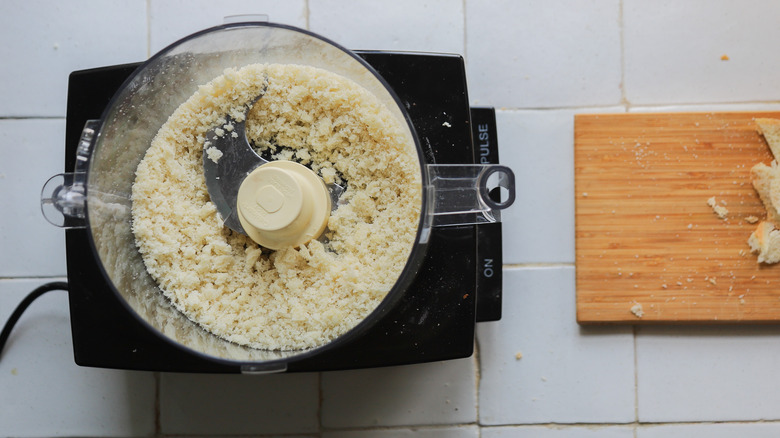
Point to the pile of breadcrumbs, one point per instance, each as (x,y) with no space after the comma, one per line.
(293,298)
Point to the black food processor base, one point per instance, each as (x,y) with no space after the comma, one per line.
(458,284)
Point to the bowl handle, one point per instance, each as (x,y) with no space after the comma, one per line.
(469,194)
(63,197)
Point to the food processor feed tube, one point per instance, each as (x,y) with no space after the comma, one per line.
(97,195)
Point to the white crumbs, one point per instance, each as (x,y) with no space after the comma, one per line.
(719,210)
(637,310)
(214,154)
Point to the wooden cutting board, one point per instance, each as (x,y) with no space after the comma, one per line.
(649,248)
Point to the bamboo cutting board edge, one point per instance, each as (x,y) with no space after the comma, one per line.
(638,164)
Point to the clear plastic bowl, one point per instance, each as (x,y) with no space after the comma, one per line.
(97,194)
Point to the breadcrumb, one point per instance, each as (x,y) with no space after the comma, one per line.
(214,154)
(636,309)
(719,210)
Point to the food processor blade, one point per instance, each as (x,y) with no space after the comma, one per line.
(228,158)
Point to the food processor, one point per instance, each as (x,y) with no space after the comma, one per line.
(451,280)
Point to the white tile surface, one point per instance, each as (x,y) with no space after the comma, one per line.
(566,374)
(471,431)
(708,373)
(44,41)
(423,394)
(538,146)
(170,20)
(202,404)
(673,51)
(44,393)
(543,53)
(33,151)
(406,25)
(720,430)
(558,431)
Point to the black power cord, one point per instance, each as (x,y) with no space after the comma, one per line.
(9,325)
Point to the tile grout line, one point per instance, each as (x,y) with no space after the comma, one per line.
(477,379)
(621,27)
(320,396)
(560,108)
(157,404)
(695,106)
(32,118)
(562,426)
(537,265)
(552,425)
(62,277)
(433,426)
(634,330)
(307,14)
(700,104)
(465,33)
(148,29)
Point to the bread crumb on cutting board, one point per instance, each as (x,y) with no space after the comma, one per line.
(637,310)
(719,210)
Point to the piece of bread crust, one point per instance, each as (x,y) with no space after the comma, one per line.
(762,177)
(765,240)
(760,237)
(770,129)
